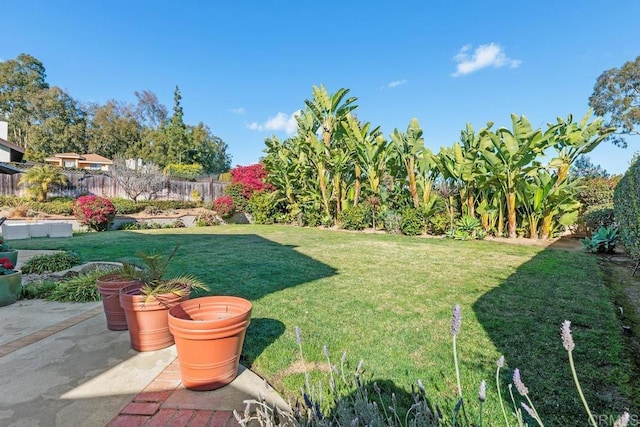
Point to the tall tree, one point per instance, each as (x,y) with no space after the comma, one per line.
(175,135)
(112,129)
(616,95)
(21,81)
(206,149)
(408,147)
(583,167)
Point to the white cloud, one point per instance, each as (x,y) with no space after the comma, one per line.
(486,55)
(396,83)
(239,110)
(279,122)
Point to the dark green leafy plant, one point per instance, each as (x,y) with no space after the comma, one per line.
(49,263)
(626,206)
(602,241)
(467,227)
(411,222)
(599,216)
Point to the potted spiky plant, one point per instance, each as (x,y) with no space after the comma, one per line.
(109,286)
(147,302)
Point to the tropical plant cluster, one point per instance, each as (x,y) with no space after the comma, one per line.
(626,202)
(336,162)
(95,212)
(48,263)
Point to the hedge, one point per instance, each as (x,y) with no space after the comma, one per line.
(626,207)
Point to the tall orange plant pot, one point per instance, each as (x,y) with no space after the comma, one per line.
(209,333)
(147,317)
(109,287)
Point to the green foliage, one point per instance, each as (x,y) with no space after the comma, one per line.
(41,179)
(181,171)
(392,222)
(597,191)
(127,206)
(439,223)
(616,95)
(626,208)
(468,227)
(311,218)
(207,218)
(356,217)
(599,216)
(602,241)
(263,207)
(166,205)
(58,261)
(55,206)
(150,225)
(81,288)
(38,290)
(412,222)
(237,193)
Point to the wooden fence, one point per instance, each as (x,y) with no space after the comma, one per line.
(103,185)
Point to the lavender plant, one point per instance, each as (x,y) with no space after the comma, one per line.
(352,405)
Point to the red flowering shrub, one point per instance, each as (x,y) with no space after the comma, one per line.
(95,212)
(224,206)
(252,178)
(6,267)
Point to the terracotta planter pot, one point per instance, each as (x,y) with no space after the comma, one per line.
(109,288)
(10,287)
(209,333)
(12,255)
(147,318)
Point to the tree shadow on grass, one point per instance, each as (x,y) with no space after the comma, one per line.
(523,318)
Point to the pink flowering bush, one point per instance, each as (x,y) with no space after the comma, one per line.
(224,206)
(95,212)
(252,178)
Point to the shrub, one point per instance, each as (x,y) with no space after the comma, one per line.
(182,171)
(439,223)
(411,222)
(262,207)
(467,227)
(311,218)
(57,206)
(81,288)
(166,205)
(598,216)
(224,206)
(127,206)
(95,212)
(392,222)
(49,263)
(206,219)
(236,192)
(40,290)
(355,217)
(252,178)
(597,191)
(626,208)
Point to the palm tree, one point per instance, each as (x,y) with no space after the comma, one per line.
(40,179)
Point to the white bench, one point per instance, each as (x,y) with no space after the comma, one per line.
(28,230)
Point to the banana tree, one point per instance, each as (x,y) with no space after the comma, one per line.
(370,156)
(327,113)
(407,147)
(575,139)
(427,172)
(511,155)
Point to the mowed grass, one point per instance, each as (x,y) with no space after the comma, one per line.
(388,300)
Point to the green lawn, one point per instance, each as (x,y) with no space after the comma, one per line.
(388,300)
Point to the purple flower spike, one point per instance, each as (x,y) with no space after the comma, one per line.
(482,393)
(456,321)
(501,362)
(522,389)
(529,410)
(623,420)
(298,337)
(567,338)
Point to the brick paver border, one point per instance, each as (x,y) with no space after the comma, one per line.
(15,345)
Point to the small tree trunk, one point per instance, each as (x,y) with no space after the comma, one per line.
(511,214)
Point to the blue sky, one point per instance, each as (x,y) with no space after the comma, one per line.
(245,67)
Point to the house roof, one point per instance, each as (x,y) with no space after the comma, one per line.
(11,145)
(89,158)
(96,158)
